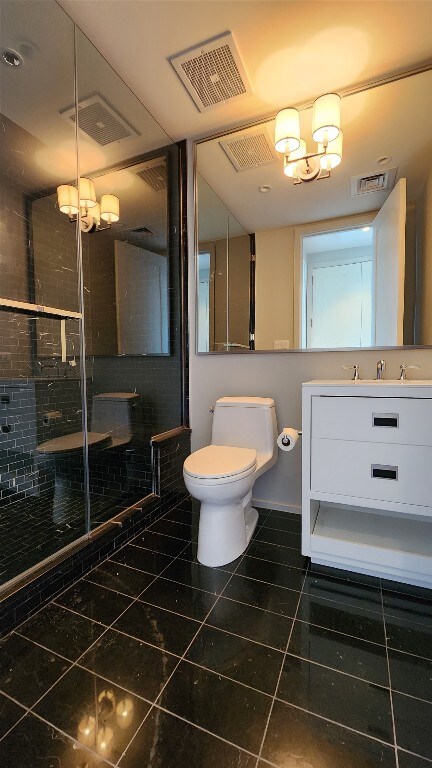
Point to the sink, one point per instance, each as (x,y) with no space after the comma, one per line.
(372,383)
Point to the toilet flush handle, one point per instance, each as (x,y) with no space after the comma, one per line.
(211,409)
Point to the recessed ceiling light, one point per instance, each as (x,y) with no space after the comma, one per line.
(264,188)
(365,229)
(383,160)
(11,58)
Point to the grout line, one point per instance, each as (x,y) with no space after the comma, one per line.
(390,684)
(280,672)
(339,671)
(158,698)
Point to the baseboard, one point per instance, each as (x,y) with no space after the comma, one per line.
(277,505)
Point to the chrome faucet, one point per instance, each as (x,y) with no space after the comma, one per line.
(381,366)
(355,368)
(403,370)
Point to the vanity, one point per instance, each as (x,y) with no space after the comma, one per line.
(367,477)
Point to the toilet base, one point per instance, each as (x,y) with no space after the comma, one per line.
(225,531)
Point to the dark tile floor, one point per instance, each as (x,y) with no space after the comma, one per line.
(153,660)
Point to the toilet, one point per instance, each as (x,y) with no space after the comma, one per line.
(112,425)
(221,475)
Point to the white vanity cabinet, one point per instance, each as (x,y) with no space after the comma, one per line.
(367,477)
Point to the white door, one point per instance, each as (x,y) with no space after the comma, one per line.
(389,254)
(338,305)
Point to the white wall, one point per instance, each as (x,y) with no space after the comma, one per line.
(278,375)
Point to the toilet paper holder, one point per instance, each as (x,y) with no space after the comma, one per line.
(287,441)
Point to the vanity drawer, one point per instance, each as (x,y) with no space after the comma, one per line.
(388,472)
(374,419)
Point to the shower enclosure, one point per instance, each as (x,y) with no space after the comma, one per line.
(90,289)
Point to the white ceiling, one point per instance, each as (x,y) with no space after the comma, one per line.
(292,51)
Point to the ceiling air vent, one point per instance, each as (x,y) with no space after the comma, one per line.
(155,177)
(251,150)
(100,121)
(383,181)
(212,72)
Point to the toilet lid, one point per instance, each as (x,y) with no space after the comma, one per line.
(73,442)
(219,461)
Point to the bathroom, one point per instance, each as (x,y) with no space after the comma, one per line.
(127,315)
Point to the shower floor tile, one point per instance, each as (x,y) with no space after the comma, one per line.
(262,663)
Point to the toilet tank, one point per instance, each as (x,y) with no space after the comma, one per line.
(245,422)
(113,412)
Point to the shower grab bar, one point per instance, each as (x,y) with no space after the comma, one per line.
(25,307)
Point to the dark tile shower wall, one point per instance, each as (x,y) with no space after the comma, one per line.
(169,455)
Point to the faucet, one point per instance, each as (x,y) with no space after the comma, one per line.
(355,368)
(403,370)
(381,366)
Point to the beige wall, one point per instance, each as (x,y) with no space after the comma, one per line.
(274,319)
(278,375)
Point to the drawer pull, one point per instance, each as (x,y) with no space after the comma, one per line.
(384,471)
(385,420)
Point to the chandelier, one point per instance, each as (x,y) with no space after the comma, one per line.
(299,164)
(82,200)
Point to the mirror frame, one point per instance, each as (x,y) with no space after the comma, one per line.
(262,121)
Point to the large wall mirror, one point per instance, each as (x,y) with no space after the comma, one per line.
(339,262)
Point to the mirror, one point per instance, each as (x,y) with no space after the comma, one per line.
(335,263)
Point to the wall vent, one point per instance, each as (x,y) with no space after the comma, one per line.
(212,72)
(100,121)
(383,181)
(251,150)
(155,177)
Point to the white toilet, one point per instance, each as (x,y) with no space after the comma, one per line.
(221,475)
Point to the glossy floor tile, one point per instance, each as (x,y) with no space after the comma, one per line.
(26,670)
(340,617)
(344,653)
(142,559)
(184,666)
(169,631)
(411,674)
(237,658)
(199,576)
(165,741)
(253,623)
(188,601)
(226,708)
(270,597)
(36,744)
(94,602)
(325,692)
(130,663)
(61,631)
(413,720)
(89,709)
(10,713)
(120,578)
(296,738)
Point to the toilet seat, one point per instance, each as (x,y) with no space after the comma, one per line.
(73,443)
(217,464)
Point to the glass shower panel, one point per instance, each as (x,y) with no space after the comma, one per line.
(131,284)
(42,494)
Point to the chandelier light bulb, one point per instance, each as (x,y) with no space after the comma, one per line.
(333,155)
(67,198)
(287,130)
(87,194)
(326,118)
(110,208)
(290,161)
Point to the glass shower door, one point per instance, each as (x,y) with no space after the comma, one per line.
(42,467)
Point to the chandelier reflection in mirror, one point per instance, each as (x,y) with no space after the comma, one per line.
(73,201)
(303,166)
